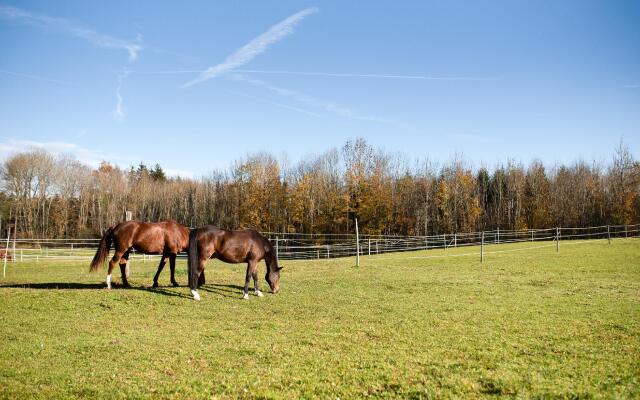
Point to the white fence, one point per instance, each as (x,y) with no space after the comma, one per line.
(291,246)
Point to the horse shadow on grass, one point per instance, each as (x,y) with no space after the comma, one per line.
(232,291)
(90,286)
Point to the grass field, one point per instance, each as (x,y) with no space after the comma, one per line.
(527,324)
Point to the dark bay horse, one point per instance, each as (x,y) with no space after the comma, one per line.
(167,238)
(232,247)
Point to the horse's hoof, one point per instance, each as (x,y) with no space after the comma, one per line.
(245,296)
(259,293)
(175,284)
(196,295)
(127,286)
(155,285)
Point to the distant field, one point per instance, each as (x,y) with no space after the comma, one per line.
(530,324)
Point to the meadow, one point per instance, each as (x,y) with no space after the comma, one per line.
(522,324)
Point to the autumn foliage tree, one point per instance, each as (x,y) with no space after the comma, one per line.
(49,196)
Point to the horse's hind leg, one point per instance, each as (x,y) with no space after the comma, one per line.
(112,264)
(163,261)
(124,261)
(172,265)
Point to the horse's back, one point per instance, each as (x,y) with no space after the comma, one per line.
(152,237)
(232,246)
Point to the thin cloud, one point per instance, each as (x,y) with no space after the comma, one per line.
(93,37)
(379,76)
(302,98)
(85,156)
(277,104)
(89,157)
(255,47)
(119,111)
(331,75)
(37,78)
(179,173)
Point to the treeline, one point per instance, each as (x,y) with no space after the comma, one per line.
(55,197)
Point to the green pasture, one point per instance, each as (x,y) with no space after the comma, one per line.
(428,324)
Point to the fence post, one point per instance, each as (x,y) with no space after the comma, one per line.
(15,234)
(327,251)
(557,240)
(626,229)
(482,247)
(357,245)
(608,234)
(20,255)
(318,254)
(377,249)
(444,239)
(455,240)
(532,235)
(426,243)
(498,237)
(369,246)
(277,252)
(6,252)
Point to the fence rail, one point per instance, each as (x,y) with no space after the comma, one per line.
(298,246)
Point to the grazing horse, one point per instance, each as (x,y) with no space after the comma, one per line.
(167,238)
(232,247)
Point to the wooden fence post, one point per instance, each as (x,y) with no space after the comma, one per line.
(455,240)
(608,234)
(444,240)
(482,247)
(557,239)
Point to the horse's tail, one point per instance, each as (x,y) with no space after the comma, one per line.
(192,259)
(103,249)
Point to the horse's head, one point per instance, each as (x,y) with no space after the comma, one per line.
(273,274)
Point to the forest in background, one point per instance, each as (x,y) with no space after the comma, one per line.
(48,196)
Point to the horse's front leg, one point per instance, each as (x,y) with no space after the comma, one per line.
(254,274)
(246,282)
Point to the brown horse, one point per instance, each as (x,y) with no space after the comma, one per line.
(167,238)
(232,247)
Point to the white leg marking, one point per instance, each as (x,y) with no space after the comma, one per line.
(109,281)
(259,293)
(246,296)
(196,295)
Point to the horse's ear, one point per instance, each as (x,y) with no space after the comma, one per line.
(279,269)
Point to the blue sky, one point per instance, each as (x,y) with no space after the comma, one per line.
(197,85)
